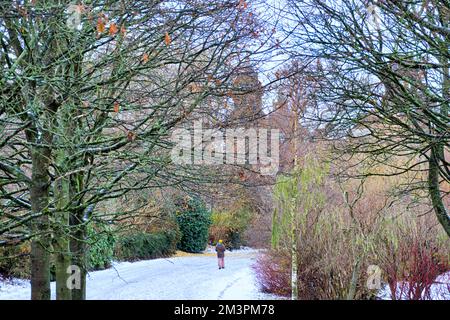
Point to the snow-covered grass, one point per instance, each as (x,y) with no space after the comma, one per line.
(179,278)
(13,288)
(191,277)
(439,290)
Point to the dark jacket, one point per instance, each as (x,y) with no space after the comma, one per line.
(220,249)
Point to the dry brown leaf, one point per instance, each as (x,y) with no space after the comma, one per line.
(167,39)
(113,29)
(100,25)
(116,107)
(145,58)
(131,136)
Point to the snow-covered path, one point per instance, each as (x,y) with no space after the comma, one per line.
(190,277)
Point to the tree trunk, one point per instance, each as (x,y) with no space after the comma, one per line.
(40,256)
(294,259)
(62,264)
(78,249)
(61,244)
(435,193)
(40,270)
(437,151)
(294,262)
(354,280)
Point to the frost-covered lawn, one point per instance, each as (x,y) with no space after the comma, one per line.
(184,277)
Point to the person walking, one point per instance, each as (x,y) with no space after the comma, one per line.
(220,249)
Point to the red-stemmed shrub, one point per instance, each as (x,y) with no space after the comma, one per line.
(413,269)
(273,273)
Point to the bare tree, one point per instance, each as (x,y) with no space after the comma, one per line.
(89,95)
(385,88)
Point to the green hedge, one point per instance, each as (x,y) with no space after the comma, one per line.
(141,245)
(100,247)
(194,221)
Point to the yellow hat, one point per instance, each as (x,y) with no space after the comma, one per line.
(220,241)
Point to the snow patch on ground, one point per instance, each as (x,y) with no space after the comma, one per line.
(179,278)
(439,290)
(13,288)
